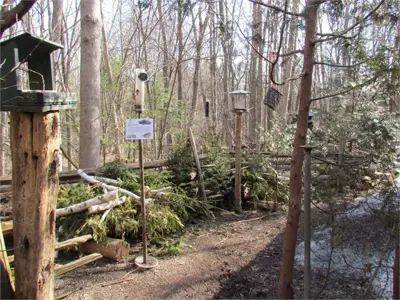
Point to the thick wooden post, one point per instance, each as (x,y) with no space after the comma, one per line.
(34,149)
(238,162)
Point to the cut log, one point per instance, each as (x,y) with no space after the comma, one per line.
(62,269)
(104,206)
(73,242)
(7,227)
(111,248)
(85,205)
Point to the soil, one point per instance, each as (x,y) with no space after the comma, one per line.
(209,267)
(233,257)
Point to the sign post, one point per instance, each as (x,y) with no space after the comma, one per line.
(140,129)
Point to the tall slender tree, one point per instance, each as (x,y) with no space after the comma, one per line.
(90,106)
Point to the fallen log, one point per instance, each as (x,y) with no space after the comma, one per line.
(90,179)
(65,244)
(104,206)
(73,242)
(85,205)
(62,269)
(114,249)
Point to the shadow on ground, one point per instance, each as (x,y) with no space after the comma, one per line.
(259,279)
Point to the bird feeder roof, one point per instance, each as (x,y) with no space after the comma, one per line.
(30,45)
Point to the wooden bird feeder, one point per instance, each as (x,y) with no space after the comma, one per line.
(240,100)
(28,92)
(37,94)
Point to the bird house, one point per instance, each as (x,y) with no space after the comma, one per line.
(240,100)
(27,76)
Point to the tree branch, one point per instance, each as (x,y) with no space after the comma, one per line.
(336,65)
(301,51)
(344,91)
(332,36)
(276,8)
(9,18)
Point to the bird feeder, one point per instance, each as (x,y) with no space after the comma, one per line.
(240,100)
(38,94)
(272,98)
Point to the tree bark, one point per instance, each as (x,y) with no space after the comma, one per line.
(225,105)
(286,273)
(199,44)
(34,144)
(90,106)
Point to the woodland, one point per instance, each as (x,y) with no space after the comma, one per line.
(321,73)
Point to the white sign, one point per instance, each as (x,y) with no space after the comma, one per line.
(139,129)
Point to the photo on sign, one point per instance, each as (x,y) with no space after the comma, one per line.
(139,129)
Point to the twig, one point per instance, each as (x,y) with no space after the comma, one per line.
(120,280)
(68,158)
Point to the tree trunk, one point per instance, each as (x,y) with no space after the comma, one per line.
(255,41)
(199,44)
(225,105)
(396,271)
(90,106)
(289,248)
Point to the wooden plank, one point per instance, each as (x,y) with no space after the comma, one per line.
(7,227)
(114,249)
(34,149)
(62,269)
(6,282)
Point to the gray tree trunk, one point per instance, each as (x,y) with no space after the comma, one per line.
(90,106)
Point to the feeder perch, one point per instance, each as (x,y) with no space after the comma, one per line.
(240,100)
(33,91)
(272,98)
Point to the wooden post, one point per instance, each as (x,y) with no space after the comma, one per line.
(238,162)
(34,150)
(198,166)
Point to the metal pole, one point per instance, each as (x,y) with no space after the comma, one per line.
(142,200)
(307,222)
(238,163)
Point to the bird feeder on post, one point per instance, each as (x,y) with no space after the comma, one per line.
(240,106)
(34,132)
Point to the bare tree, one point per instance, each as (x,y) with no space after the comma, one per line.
(90,105)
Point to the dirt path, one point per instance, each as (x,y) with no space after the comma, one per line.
(204,270)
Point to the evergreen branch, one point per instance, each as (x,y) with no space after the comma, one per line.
(344,91)
(336,65)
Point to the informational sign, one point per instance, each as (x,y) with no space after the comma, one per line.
(139,129)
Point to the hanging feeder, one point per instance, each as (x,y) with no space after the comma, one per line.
(272,98)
